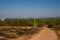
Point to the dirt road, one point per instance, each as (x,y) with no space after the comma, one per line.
(45,34)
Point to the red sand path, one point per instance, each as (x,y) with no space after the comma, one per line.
(45,34)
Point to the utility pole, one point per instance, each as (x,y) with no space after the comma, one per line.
(34,21)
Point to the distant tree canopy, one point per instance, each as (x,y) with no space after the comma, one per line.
(51,22)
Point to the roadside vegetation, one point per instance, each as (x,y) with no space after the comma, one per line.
(24,27)
(51,22)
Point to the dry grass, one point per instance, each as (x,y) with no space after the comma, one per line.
(25,37)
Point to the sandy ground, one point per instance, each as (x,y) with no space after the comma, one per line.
(45,34)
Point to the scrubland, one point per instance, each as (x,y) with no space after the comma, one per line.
(23,29)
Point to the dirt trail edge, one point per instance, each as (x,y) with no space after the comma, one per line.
(45,34)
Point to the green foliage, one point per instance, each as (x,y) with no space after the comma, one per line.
(51,22)
(50,25)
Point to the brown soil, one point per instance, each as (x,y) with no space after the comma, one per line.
(45,34)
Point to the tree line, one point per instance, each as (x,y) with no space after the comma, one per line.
(51,22)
